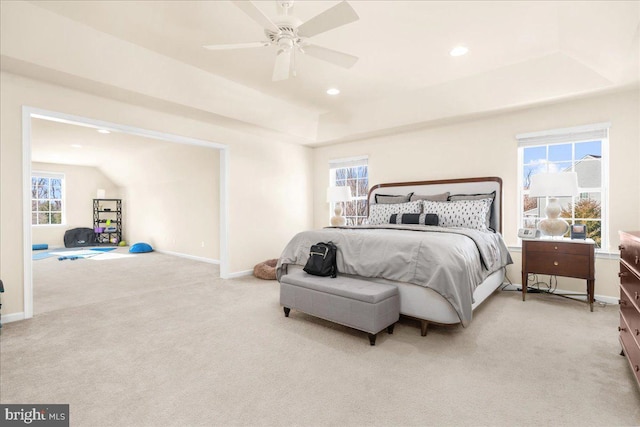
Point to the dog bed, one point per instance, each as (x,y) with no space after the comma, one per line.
(266,270)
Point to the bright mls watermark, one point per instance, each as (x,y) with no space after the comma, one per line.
(34,415)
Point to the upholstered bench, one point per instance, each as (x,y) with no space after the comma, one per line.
(362,305)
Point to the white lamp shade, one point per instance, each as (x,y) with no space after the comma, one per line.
(562,184)
(338,194)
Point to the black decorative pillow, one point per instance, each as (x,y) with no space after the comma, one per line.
(408,218)
(491,196)
(389,198)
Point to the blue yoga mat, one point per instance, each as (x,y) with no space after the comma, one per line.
(43,255)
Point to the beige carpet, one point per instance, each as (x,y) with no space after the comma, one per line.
(163,342)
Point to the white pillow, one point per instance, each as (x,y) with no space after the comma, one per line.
(460,213)
(380,213)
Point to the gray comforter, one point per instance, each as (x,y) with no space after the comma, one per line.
(451,261)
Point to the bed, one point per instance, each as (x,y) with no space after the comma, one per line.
(444,271)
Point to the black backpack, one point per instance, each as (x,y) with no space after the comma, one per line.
(322,260)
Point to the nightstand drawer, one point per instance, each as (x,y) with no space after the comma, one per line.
(560,264)
(559,247)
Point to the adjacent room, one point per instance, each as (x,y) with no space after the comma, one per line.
(148,188)
(352,213)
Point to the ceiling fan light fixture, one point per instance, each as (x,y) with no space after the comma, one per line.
(333,91)
(459,51)
(285,43)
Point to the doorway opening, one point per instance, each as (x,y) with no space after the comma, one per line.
(29,113)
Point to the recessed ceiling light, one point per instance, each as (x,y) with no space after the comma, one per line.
(76,145)
(459,51)
(333,91)
(103,131)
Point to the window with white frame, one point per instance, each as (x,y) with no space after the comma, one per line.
(47,198)
(583,150)
(354,173)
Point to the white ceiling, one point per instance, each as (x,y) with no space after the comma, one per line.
(521,53)
(402,45)
(70,144)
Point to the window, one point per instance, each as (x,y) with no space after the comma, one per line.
(47,191)
(354,173)
(582,150)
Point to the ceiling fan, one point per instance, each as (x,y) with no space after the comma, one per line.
(289,34)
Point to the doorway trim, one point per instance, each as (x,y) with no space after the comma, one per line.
(29,113)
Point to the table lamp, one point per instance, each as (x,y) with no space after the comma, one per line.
(554,185)
(338,195)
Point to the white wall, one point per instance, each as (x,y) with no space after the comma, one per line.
(269,181)
(81,183)
(170,199)
(487,147)
(173,199)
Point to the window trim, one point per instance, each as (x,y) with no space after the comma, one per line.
(565,135)
(52,175)
(347,162)
(573,135)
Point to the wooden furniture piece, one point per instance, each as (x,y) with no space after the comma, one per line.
(108,210)
(560,257)
(630,299)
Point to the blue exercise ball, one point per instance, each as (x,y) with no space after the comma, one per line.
(141,247)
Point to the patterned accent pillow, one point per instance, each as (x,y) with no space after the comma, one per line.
(380,213)
(461,213)
(491,196)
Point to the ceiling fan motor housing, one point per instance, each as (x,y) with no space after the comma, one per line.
(288,37)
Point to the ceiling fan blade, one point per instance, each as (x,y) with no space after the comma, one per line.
(338,15)
(257,15)
(236,45)
(338,58)
(283,65)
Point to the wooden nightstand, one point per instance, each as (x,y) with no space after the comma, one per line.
(560,257)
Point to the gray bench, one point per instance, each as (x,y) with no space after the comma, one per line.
(362,305)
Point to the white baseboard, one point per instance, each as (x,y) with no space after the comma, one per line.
(240,274)
(193,257)
(603,298)
(13,317)
(211,261)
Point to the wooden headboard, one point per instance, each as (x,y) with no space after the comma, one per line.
(453,186)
